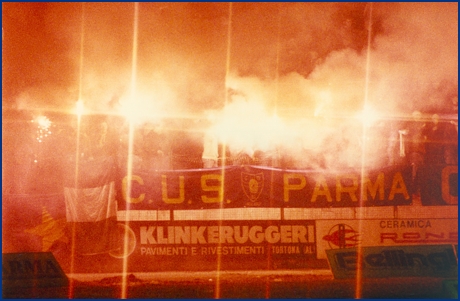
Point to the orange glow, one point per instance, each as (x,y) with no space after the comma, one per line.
(291,80)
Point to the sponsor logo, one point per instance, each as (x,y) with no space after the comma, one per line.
(395,224)
(126,241)
(416,237)
(342,236)
(398,259)
(157,235)
(253,185)
(401,261)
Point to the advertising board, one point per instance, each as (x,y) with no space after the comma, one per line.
(260,218)
(401,261)
(389,231)
(31,269)
(208,245)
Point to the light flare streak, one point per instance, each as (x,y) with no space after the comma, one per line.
(124,282)
(359,263)
(224,146)
(79,110)
(277,120)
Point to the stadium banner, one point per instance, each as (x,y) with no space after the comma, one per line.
(211,245)
(420,228)
(253,198)
(400,261)
(158,237)
(253,186)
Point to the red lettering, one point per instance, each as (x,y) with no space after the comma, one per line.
(411,235)
(428,235)
(416,237)
(453,235)
(390,236)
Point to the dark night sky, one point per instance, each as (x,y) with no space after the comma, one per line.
(288,54)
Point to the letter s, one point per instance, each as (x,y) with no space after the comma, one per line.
(217,188)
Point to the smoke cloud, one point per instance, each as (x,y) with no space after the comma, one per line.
(305,70)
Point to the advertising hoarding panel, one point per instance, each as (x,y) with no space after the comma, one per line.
(335,234)
(400,261)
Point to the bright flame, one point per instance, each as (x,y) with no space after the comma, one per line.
(247,126)
(43,127)
(142,108)
(79,107)
(253,129)
(368,116)
(43,122)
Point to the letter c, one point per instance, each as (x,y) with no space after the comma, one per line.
(124,190)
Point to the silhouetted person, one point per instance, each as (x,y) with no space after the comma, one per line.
(155,149)
(451,143)
(434,145)
(210,154)
(414,145)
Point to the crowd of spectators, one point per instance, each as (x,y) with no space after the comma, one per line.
(423,139)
